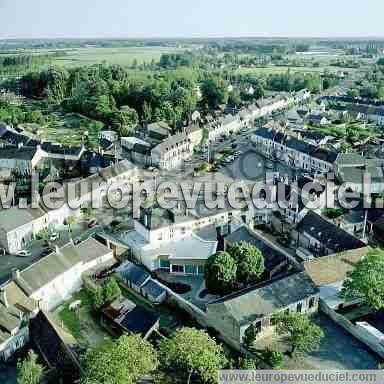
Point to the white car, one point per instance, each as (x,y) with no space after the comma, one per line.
(23,253)
(54,236)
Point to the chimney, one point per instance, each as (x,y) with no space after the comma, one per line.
(3,297)
(15,274)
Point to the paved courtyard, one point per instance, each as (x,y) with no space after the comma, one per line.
(338,350)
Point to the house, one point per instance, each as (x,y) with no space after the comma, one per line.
(139,151)
(274,261)
(56,277)
(322,237)
(124,316)
(172,152)
(19,226)
(231,315)
(111,136)
(305,192)
(172,240)
(140,280)
(21,160)
(317,119)
(353,222)
(16,308)
(57,151)
(277,144)
(351,168)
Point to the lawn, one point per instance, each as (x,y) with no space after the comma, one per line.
(82,323)
(123,56)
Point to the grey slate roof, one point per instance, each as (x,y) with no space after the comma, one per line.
(328,234)
(57,263)
(272,257)
(152,288)
(12,152)
(254,303)
(15,217)
(133,273)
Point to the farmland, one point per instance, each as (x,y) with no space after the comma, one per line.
(124,56)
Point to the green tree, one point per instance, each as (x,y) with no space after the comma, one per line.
(214,91)
(220,272)
(122,361)
(366,280)
(250,336)
(244,363)
(194,352)
(71,220)
(301,332)
(111,290)
(97,297)
(250,262)
(29,371)
(274,358)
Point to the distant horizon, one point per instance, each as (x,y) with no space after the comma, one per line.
(202,37)
(123,19)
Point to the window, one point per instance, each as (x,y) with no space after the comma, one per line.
(258,327)
(311,302)
(164,264)
(299,307)
(177,268)
(191,269)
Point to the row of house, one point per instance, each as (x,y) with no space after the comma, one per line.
(360,112)
(168,151)
(297,153)
(19,226)
(45,285)
(28,152)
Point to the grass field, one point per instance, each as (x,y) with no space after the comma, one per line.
(123,56)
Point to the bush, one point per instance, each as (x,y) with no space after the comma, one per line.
(273,358)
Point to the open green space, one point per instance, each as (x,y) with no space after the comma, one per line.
(70,129)
(82,322)
(124,56)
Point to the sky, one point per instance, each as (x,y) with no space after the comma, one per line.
(193,18)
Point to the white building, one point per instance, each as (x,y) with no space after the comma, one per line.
(56,277)
(21,160)
(173,151)
(20,226)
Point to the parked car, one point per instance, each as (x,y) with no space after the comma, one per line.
(92,223)
(23,253)
(46,252)
(53,237)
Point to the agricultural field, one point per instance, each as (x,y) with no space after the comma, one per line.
(124,56)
